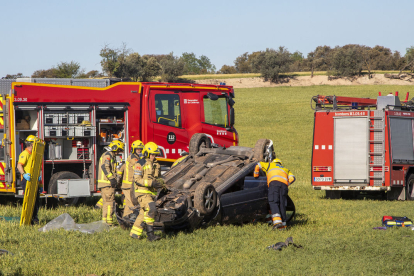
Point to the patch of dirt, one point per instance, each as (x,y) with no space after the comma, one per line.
(377,79)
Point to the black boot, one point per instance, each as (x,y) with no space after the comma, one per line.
(150,234)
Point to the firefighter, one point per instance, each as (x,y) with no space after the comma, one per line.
(107,180)
(278,180)
(23,166)
(146,177)
(128,173)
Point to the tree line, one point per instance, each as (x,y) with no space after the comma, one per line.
(346,61)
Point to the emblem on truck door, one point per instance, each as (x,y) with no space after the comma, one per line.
(171,138)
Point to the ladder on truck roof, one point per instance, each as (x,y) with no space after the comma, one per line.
(377,156)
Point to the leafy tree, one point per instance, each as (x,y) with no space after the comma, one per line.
(172,67)
(152,68)
(206,66)
(242,63)
(252,60)
(49,73)
(409,59)
(274,62)
(297,60)
(90,74)
(227,69)
(68,69)
(18,75)
(109,61)
(133,66)
(121,70)
(347,61)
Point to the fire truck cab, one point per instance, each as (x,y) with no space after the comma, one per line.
(78,122)
(362,144)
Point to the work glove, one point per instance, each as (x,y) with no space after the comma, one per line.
(157,184)
(27,176)
(40,178)
(113,182)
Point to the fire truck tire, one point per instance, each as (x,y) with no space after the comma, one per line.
(53,186)
(410,187)
(205,198)
(198,141)
(260,150)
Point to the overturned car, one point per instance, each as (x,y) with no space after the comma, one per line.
(213,185)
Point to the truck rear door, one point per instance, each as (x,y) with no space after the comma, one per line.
(351,150)
(6,166)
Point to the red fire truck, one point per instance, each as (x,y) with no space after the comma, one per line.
(362,144)
(77,124)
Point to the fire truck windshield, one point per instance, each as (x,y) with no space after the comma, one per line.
(216,112)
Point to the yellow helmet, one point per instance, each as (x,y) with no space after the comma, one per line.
(117,145)
(137,145)
(277,161)
(151,148)
(30,139)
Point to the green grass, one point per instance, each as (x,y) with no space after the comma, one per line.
(336,235)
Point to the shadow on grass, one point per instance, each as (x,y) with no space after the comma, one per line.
(356,195)
(299,220)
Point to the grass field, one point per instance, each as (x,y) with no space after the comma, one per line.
(336,235)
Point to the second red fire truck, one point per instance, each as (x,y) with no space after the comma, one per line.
(363,144)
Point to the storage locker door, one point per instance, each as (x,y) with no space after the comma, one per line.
(401,139)
(351,150)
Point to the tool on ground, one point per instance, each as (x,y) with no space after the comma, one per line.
(390,221)
(31,187)
(280,245)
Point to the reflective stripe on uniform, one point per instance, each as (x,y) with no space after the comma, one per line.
(145,192)
(108,215)
(119,172)
(279,173)
(100,202)
(126,170)
(137,172)
(148,219)
(109,175)
(146,182)
(136,230)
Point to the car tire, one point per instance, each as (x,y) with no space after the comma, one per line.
(52,189)
(197,142)
(205,198)
(260,150)
(410,186)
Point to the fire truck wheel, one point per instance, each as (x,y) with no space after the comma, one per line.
(205,198)
(197,142)
(410,187)
(53,186)
(260,150)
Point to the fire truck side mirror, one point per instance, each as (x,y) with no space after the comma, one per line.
(231,116)
(212,96)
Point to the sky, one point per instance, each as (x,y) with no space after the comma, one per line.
(40,34)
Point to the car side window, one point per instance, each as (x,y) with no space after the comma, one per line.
(167,109)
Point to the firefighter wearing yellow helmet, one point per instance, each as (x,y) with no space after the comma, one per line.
(23,166)
(128,171)
(278,180)
(107,179)
(147,180)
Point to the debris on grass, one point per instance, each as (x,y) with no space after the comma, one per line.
(4,252)
(66,222)
(280,245)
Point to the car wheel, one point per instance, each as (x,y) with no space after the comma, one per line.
(260,150)
(205,198)
(410,187)
(53,187)
(197,142)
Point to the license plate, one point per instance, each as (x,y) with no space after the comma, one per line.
(322,179)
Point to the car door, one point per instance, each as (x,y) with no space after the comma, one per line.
(247,204)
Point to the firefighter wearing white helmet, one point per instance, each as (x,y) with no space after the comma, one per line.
(107,179)
(147,179)
(278,180)
(128,179)
(23,166)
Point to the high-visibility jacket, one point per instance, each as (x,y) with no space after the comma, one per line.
(25,159)
(107,169)
(128,170)
(276,172)
(145,172)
